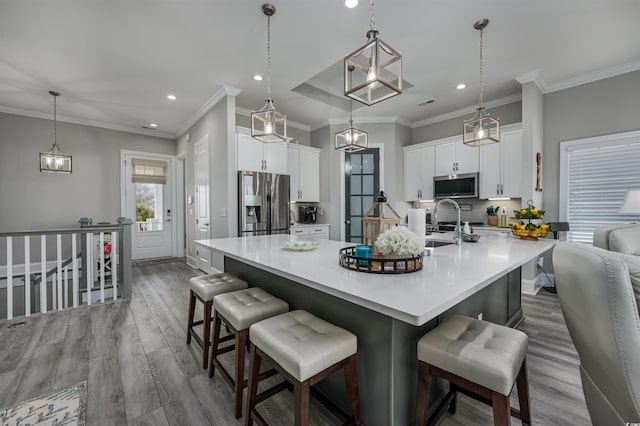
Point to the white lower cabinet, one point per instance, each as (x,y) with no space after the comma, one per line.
(310,232)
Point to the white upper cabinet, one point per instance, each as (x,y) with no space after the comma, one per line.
(456,158)
(419,168)
(304,169)
(258,156)
(501,166)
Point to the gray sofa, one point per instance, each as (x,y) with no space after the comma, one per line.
(623,238)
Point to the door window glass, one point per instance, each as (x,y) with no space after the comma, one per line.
(149,207)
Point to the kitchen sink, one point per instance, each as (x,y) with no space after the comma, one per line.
(434,243)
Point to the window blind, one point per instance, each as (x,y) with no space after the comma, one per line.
(149,171)
(599,175)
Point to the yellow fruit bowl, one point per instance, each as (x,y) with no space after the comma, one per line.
(530,234)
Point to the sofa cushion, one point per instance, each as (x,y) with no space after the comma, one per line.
(625,240)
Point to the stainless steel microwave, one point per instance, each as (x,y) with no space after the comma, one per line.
(456,186)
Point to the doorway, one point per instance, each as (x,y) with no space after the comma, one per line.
(202,206)
(362,183)
(148,202)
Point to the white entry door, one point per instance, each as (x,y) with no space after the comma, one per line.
(202,207)
(148,205)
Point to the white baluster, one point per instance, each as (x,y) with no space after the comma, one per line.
(74,263)
(59,269)
(65,302)
(114,264)
(27,275)
(101,254)
(9,278)
(43,274)
(54,292)
(89,270)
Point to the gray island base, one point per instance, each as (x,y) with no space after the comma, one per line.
(387,363)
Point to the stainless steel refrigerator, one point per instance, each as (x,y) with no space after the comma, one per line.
(263,203)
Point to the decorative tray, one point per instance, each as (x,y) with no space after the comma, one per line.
(300,245)
(379,264)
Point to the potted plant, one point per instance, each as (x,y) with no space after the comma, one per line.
(492,215)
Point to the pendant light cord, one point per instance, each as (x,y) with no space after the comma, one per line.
(350,113)
(481,46)
(268,57)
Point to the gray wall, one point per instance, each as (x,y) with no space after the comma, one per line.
(599,108)
(302,136)
(32,200)
(219,124)
(507,114)
(392,136)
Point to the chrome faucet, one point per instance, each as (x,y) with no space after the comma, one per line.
(457,233)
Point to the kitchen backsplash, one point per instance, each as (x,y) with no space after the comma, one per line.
(478,212)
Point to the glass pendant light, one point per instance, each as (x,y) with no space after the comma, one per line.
(351,139)
(55,161)
(268,125)
(482,128)
(378,69)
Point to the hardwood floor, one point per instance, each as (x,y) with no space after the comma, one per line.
(140,371)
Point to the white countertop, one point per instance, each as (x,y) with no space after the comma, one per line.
(450,275)
(307,225)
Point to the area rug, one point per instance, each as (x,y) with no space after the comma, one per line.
(67,406)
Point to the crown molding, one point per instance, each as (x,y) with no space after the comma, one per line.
(594,76)
(247,113)
(534,76)
(469,110)
(211,102)
(84,122)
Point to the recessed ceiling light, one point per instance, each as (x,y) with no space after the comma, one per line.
(257,77)
(171,97)
(461,86)
(350,3)
(153,125)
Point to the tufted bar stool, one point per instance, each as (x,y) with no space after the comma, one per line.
(304,349)
(204,288)
(478,358)
(239,310)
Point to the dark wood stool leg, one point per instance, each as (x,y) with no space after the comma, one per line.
(241,341)
(252,388)
(351,379)
(192,309)
(522,383)
(501,409)
(302,392)
(214,346)
(207,333)
(424,386)
(453,405)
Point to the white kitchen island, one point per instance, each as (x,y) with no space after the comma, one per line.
(388,312)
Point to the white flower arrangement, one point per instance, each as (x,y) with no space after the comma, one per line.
(399,241)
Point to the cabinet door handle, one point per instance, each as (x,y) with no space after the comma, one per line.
(497,189)
(501,189)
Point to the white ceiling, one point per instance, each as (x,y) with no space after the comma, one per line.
(115,61)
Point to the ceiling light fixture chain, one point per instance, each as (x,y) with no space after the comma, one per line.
(55,117)
(268,56)
(481,58)
(372,22)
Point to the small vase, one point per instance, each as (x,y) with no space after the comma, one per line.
(492,220)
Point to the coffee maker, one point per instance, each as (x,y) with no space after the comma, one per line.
(307,214)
